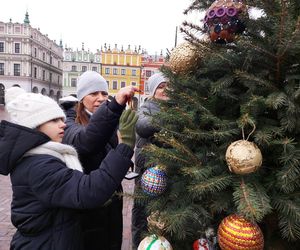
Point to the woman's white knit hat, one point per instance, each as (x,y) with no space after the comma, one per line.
(32,110)
(90,82)
(154,81)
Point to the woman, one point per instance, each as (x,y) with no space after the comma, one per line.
(145,131)
(93,133)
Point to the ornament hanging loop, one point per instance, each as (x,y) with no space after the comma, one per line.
(252,131)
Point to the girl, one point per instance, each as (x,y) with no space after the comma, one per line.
(48,183)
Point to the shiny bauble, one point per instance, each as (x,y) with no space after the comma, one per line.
(224,19)
(184,58)
(154,242)
(243,157)
(154,181)
(235,232)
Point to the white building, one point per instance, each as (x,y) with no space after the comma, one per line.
(75,63)
(30,60)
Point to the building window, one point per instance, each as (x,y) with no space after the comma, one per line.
(134,72)
(115,71)
(73,82)
(123,72)
(94,69)
(17,69)
(1,46)
(44,56)
(34,72)
(148,73)
(50,77)
(133,83)
(35,52)
(58,80)
(58,64)
(74,68)
(50,59)
(17,47)
(123,84)
(1,68)
(84,68)
(115,85)
(107,71)
(44,75)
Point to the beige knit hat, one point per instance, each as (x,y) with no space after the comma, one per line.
(32,110)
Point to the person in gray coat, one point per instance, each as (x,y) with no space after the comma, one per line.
(145,131)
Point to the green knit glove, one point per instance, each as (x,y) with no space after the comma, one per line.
(127,123)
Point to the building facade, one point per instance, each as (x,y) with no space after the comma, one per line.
(29,59)
(150,65)
(121,68)
(75,63)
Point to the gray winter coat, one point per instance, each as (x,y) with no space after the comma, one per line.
(145,131)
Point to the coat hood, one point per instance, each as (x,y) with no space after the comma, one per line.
(15,141)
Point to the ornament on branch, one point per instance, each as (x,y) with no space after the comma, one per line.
(224,19)
(202,244)
(243,157)
(184,58)
(154,181)
(155,221)
(154,242)
(235,232)
(208,242)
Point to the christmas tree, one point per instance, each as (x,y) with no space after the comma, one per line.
(244,85)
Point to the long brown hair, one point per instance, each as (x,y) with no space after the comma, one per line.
(81,115)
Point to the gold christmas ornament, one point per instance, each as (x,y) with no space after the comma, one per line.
(155,221)
(184,58)
(235,232)
(243,157)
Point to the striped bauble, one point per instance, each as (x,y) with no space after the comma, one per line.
(237,233)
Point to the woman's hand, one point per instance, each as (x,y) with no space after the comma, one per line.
(125,94)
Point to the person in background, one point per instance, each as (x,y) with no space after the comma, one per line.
(93,132)
(145,131)
(48,183)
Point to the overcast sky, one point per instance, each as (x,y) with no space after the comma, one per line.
(151,24)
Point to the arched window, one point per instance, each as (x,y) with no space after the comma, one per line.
(35,90)
(44,91)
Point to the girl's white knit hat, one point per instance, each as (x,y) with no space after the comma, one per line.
(90,82)
(154,81)
(32,110)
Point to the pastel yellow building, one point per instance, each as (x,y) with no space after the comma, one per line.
(121,67)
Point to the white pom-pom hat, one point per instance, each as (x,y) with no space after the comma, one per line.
(32,110)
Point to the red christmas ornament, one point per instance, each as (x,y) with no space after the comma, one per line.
(237,233)
(201,244)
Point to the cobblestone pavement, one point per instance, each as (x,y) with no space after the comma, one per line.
(7,229)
